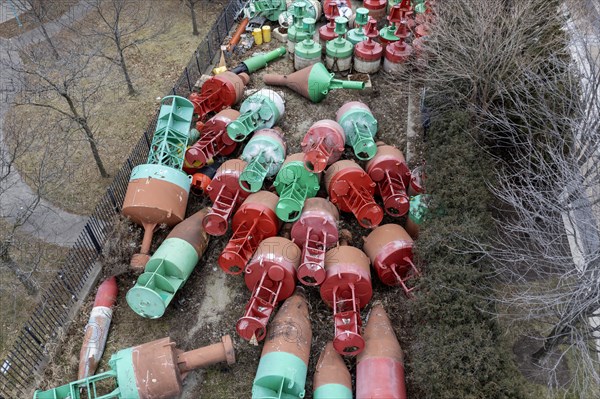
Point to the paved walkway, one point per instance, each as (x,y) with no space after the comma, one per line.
(48,222)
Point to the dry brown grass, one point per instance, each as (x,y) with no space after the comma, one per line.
(121,119)
(40,259)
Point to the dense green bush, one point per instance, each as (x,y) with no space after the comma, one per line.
(457,350)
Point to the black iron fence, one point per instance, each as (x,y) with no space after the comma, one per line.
(32,348)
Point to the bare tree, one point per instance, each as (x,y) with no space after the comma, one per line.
(533,92)
(191,4)
(67,87)
(38,9)
(476,44)
(546,120)
(125,24)
(17,144)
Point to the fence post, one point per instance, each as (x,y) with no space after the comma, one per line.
(93,238)
(187,76)
(197,63)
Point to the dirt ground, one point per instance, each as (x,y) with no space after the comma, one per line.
(210,303)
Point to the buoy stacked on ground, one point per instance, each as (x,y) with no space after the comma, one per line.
(213,141)
(283,363)
(158,190)
(294,184)
(254,221)
(273,265)
(265,153)
(226,195)
(271,277)
(307,52)
(169,268)
(154,370)
(315,231)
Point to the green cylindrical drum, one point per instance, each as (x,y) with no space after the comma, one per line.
(169,268)
(360,126)
(339,50)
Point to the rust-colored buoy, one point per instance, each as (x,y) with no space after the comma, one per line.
(322,145)
(380,367)
(390,249)
(332,379)
(226,195)
(389,171)
(254,221)
(315,231)
(283,363)
(347,289)
(351,189)
(271,276)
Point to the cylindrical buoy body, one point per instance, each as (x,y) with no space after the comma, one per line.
(283,363)
(226,195)
(254,221)
(169,268)
(265,153)
(360,127)
(271,277)
(347,289)
(213,140)
(294,184)
(390,249)
(396,55)
(96,330)
(351,189)
(219,92)
(332,379)
(377,8)
(259,111)
(314,232)
(307,53)
(380,367)
(322,145)
(389,171)
(367,56)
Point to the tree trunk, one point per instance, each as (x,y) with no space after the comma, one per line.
(123,65)
(194,22)
(82,121)
(95,152)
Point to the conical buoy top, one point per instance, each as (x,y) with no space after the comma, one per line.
(332,378)
(380,368)
(284,360)
(312,82)
(107,293)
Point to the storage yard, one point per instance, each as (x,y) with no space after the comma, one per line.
(239,259)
